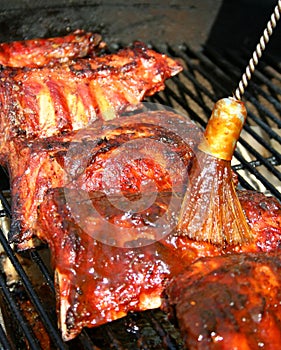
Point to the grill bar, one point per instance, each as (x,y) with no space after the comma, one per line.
(4,340)
(256,163)
(231,63)
(230,68)
(32,341)
(272,62)
(52,331)
(221,85)
(258,176)
(172,345)
(43,268)
(5,204)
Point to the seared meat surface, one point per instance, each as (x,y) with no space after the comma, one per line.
(96,282)
(232,301)
(42,107)
(102,272)
(79,160)
(229,302)
(41,52)
(109,260)
(264,217)
(47,101)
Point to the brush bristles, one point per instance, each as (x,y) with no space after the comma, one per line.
(211,210)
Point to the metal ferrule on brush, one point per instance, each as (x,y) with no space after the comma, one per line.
(224,128)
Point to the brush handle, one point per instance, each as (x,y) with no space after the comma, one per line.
(224,128)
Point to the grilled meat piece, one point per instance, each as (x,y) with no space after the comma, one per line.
(232,300)
(47,101)
(81,159)
(264,217)
(102,272)
(40,52)
(229,302)
(33,167)
(88,254)
(95,282)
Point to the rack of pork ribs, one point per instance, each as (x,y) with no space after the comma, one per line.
(67,105)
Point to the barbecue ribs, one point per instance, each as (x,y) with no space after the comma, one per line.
(41,52)
(98,282)
(101,274)
(102,271)
(229,302)
(78,159)
(232,301)
(47,101)
(53,101)
(59,139)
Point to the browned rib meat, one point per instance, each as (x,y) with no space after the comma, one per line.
(230,302)
(98,282)
(233,301)
(42,102)
(264,217)
(53,162)
(40,52)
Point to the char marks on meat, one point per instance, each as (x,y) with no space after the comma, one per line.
(229,302)
(47,101)
(41,52)
(77,160)
(95,282)
(231,299)
(99,282)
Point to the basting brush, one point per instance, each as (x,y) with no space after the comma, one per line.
(211,210)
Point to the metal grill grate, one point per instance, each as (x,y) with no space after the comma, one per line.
(209,77)
(206,78)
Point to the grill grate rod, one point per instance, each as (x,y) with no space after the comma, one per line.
(208,111)
(33,342)
(249,166)
(225,78)
(214,79)
(251,131)
(256,163)
(84,338)
(259,176)
(245,163)
(272,62)
(52,331)
(43,268)
(162,332)
(261,160)
(179,95)
(217,76)
(257,120)
(223,88)
(231,69)
(262,75)
(232,63)
(5,204)
(4,340)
